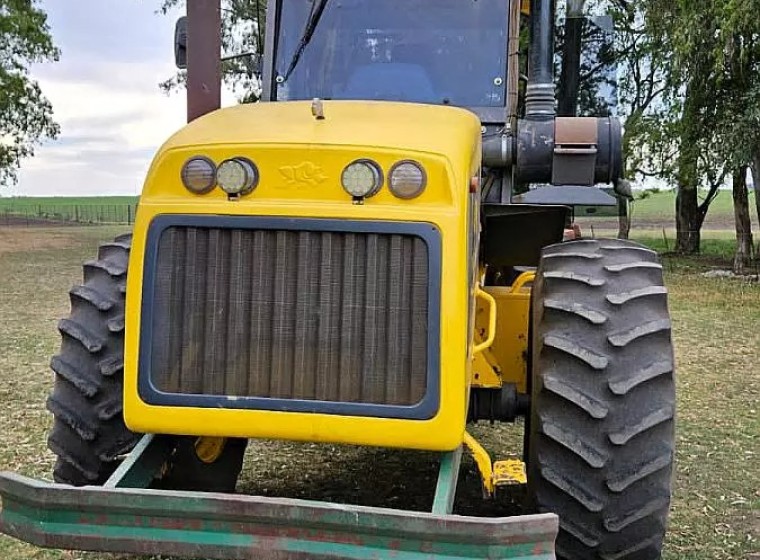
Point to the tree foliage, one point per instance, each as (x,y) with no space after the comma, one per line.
(26,116)
(712,96)
(243,24)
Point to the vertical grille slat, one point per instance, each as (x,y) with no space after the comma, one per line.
(324,326)
(418,319)
(305,319)
(191,373)
(370,355)
(238,327)
(306,315)
(395,388)
(350,389)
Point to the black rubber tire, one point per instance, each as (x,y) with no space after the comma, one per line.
(88,435)
(601,447)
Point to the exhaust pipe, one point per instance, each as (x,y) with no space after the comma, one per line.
(504,151)
(540,96)
(204,66)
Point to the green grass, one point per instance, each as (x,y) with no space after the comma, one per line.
(716,501)
(661,206)
(657,211)
(100,209)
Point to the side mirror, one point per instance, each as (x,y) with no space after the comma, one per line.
(180,43)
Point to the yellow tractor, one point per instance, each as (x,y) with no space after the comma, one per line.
(372,255)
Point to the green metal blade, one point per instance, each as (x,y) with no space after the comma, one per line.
(230,526)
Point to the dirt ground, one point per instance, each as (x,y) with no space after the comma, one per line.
(16,221)
(19,239)
(717,332)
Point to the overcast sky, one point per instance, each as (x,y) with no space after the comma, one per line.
(105,95)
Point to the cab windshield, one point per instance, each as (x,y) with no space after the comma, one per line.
(427,51)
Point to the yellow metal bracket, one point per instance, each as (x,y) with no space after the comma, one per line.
(505,360)
(483,461)
(493,475)
(491,322)
(486,372)
(509,473)
(522,280)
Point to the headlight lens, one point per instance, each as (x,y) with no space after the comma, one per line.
(362,178)
(407,179)
(237,176)
(199,175)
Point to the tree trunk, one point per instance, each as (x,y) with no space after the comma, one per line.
(756,185)
(624,218)
(688,235)
(743,257)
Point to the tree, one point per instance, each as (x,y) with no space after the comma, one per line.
(26,116)
(641,64)
(708,80)
(716,47)
(632,69)
(243,24)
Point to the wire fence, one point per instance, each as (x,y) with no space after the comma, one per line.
(41,214)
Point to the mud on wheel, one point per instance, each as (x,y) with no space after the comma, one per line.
(88,436)
(603,400)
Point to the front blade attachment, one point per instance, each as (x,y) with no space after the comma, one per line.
(231,526)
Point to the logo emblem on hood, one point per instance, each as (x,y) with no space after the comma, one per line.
(303,175)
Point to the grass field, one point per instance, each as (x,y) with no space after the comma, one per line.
(661,206)
(95,210)
(656,212)
(716,505)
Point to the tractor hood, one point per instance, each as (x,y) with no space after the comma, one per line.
(384,125)
(300,157)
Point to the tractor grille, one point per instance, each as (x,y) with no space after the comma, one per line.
(307,315)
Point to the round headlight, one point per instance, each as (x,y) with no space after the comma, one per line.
(362,178)
(237,176)
(407,179)
(199,175)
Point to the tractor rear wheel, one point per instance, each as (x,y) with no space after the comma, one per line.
(601,442)
(88,436)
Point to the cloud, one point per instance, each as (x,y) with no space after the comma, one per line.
(110,130)
(105,96)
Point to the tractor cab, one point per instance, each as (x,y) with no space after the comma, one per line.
(425,51)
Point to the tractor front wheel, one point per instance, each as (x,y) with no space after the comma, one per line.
(88,436)
(601,441)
